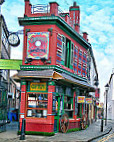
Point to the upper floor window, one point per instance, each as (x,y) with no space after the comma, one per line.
(5,39)
(63,48)
(76,52)
(72,53)
(80,54)
(66,43)
(84,57)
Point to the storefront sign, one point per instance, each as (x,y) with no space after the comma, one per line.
(88,100)
(81,99)
(11,64)
(37,86)
(37,45)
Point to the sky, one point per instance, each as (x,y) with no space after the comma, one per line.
(96,18)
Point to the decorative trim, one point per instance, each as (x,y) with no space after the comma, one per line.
(51,83)
(26,31)
(56,68)
(74,9)
(23,82)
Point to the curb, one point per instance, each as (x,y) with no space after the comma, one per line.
(104,133)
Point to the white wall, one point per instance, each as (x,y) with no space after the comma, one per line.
(110,99)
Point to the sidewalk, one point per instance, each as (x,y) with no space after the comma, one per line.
(92,132)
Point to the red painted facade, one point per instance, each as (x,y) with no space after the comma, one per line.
(63,30)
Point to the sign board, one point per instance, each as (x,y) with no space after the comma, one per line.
(89,101)
(81,99)
(37,45)
(38,87)
(10,64)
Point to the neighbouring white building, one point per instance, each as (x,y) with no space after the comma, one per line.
(110,98)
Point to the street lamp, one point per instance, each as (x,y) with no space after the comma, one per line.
(106,91)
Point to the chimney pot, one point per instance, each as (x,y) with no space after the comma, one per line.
(74,4)
(85,36)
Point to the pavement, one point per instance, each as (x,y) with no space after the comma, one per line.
(87,135)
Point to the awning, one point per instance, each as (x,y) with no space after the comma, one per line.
(50,73)
(40,74)
(77,82)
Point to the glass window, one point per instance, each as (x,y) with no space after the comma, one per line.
(68,102)
(37,105)
(72,53)
(68,106)
(63,47)
(76,52)
(5,74)
(4,39)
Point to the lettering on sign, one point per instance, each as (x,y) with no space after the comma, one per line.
(37,86)
(81,99)
(88,100)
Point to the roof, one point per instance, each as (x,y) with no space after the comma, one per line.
(111,77)
(39,74)
(78,82)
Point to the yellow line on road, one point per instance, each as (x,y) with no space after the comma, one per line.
(106,138)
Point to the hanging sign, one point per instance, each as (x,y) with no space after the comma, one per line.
(81,99)
(10,64)
(37,86)
(37,45)
(89,101)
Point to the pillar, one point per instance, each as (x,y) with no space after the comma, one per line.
(51,90)
(22,102)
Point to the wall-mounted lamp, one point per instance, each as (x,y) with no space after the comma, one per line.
(45,61)
(96,82)
(28,60)
(50,30)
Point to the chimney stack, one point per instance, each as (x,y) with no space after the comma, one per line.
(74,12)
(85,36)
(27,8)
(54,8)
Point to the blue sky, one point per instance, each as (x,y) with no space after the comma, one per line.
(97,19)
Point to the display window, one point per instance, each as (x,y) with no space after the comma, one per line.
(37,105)
(68,106)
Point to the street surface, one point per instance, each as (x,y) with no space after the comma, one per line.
(93,131)
(109,137)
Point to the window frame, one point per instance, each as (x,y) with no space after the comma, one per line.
(37,101)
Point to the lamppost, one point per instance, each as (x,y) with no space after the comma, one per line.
(106,91)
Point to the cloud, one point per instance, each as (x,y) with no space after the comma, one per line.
(99,23)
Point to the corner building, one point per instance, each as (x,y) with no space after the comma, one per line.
(55,71)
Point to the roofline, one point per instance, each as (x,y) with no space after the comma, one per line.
(94,62)
(6,29)
(54,20)
(111,77)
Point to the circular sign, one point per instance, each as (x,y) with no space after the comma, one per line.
(13,39)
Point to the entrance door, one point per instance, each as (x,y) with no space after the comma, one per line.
(57,110)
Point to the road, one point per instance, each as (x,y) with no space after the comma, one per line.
(109,137)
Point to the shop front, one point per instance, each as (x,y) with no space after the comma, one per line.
(49,104)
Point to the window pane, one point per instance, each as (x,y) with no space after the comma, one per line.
(37,105)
